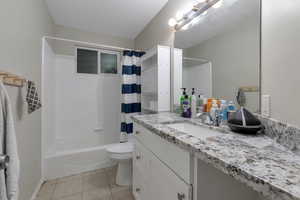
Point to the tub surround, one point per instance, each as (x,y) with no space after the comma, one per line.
(258,161)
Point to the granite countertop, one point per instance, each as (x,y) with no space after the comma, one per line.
(258,161)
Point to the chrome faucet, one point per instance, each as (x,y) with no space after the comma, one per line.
(206,118)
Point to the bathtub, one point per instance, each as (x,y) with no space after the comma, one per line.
(67,163)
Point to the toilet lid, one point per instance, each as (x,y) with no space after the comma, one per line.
(121,148)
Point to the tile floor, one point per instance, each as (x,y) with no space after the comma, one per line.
(94,185)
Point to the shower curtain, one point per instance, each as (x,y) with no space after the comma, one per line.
(131,91)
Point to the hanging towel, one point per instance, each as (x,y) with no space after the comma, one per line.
(9,178)
(32,98)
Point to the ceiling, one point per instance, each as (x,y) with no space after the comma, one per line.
(217,21)
(112,17)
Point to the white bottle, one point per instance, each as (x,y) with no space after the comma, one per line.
(214,110)
(193,104)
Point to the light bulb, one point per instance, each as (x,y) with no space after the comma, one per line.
(172,22)
(179,15)
(218,5)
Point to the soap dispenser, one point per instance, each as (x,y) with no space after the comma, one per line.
(182,97)
(186,106)
(193,100)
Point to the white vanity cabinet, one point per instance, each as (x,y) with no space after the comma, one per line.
(160,171)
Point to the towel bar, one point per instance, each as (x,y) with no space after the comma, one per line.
(4,160)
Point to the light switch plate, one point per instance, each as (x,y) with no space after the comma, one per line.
(266,105)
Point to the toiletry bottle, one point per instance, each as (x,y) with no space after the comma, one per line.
(204,105)
(223,110)
(214,111)
(182,99)
(230,109)
(209,104)
(193,100)
(200,105)
(186,105)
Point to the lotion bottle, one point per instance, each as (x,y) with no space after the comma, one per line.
(186,105)
(182,97)
(193,104)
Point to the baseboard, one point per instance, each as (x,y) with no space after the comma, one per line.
(37,189)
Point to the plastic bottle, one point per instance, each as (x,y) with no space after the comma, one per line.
(186,105)
(224,110)
(182,97)
(204,105)
(214,111)
(230,109)
(200,103)
(209,104)
(193,100)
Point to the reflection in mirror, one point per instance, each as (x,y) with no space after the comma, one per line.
(219,55)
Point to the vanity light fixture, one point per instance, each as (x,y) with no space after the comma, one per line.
(172,22)
(191,15)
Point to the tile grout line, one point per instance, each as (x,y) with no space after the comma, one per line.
(52,193)
(109,185)
(107,171)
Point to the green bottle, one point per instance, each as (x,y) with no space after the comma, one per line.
(182,98)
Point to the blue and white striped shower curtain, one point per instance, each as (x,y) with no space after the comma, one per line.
(131,91)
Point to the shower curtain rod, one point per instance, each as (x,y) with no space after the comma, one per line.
(90,44)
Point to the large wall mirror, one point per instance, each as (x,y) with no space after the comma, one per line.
(220,54)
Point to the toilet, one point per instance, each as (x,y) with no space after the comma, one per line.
(122,153)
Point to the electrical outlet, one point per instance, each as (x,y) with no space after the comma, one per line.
(266,105)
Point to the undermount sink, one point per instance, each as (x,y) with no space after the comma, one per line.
(194,130)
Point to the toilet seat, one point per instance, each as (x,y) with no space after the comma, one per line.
(121,151)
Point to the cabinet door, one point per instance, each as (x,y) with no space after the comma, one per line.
(139,185)
(164,184)
(140,172)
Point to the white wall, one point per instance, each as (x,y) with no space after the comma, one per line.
(234,56)
(177,75)
(79,97)
(75,34)
(198,77)
(280,58)
(23,23)
(48,99)
(158,31)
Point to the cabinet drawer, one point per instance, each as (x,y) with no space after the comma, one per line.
(172,156)
(165,184)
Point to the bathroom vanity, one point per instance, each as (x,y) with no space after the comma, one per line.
(177,158)
(160,170)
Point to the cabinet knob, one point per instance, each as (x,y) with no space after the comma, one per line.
(137,132)
(180,196)
(137,189)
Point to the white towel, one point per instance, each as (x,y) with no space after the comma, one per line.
(9,178)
